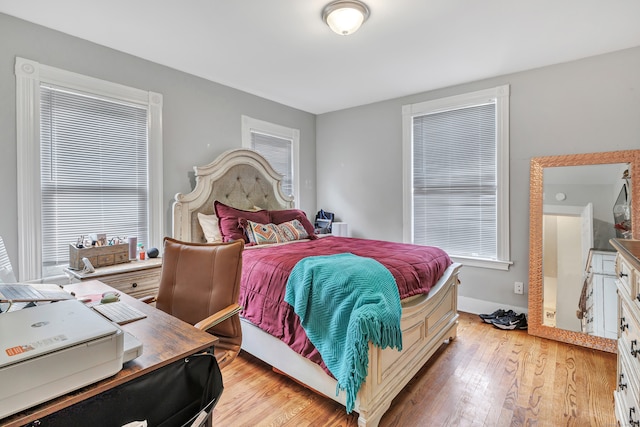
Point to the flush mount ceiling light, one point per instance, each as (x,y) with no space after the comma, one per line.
(344,17)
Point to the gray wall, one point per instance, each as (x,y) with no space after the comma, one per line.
(201,119)
(578,107)
(582,106)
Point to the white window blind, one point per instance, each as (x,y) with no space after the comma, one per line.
(94,173)
(455,188)
(279,153)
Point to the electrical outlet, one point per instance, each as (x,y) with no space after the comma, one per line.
(518,288)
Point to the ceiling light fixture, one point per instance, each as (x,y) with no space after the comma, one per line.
(344,17)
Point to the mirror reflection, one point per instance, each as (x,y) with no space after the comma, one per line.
(584,207)
(577,203)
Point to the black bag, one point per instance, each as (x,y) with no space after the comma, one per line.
(324,220)
(170,396)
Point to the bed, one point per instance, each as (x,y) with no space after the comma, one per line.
(242,179)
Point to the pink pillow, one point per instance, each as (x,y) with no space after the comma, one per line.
(228,221)
(286,215)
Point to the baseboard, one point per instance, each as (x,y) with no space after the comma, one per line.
(477,306)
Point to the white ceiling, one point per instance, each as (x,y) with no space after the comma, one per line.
(281,50)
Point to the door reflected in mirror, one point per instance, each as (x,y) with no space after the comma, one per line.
(577,204)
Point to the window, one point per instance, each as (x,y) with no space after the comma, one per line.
(279,146)
(89,160)
(456,160)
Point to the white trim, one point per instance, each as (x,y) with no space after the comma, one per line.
(28,181)
(502,152)
(482,262)
(29,75)
(407,174)
(477,306)
(250,124)
(498,94)
(155,170)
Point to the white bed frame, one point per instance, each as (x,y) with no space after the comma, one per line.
(244,179)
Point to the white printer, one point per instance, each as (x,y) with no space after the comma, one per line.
(52,349)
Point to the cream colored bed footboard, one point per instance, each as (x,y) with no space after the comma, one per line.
(427,321)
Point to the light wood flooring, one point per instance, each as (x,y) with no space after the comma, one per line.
(486,377)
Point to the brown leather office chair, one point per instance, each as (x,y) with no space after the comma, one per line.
(200,284)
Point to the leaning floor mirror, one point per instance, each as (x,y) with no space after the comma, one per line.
(577,204)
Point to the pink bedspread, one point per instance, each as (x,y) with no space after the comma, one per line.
(265,271)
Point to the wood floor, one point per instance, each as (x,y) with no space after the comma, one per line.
(486,377)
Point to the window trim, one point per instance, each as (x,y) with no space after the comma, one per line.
(250,124)
(500,95)
(29,75)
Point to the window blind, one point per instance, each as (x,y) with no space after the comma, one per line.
(94,169)
(279,153)
(455,181)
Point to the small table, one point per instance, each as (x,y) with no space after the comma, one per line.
(154,331)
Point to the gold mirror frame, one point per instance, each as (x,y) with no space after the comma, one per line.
(535,238)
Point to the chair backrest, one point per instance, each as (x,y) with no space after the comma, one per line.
(200,279)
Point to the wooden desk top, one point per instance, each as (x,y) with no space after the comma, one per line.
(165,339)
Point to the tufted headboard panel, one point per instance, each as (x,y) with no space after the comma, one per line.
(240,178)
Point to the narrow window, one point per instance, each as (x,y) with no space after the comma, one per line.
(279,146)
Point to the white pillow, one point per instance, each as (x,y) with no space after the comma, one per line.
(209,224)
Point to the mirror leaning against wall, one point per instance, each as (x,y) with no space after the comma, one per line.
(577,203)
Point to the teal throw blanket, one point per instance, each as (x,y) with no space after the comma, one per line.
(343,302)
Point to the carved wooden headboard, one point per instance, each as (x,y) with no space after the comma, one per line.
(240,178)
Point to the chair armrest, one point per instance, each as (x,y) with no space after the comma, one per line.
(147,299)
(218,317)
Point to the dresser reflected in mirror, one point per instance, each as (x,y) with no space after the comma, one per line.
(577,204)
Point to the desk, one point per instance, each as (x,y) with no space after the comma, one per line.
(165,339)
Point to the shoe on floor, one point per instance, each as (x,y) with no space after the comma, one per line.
(489,318)
(519,321)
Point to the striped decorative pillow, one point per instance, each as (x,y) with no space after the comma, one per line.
(261,234)
(293,230)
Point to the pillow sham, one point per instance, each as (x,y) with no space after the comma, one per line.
(209,224)
(260,234)
(229,224)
